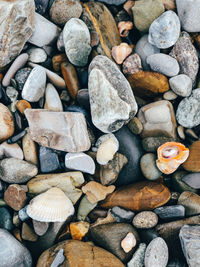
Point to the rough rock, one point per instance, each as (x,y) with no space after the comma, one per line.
(11,151)
(138,257)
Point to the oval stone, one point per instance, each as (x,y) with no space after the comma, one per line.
(145,220)
(192,179)
(6,123)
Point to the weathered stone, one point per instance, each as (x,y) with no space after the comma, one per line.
(192,179)
(191,202)
(15,196)
(52,99)
(132,64)
(181,85)
(28,233)
(58,133)
(138,257)
(170,212)
(145,220)
(6,123)
(151,144)
(79,229)
(148,167)
(178,183)
(49,161)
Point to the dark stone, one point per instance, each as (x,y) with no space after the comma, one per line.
(16,138)
(151,144)
(171,212)
(121,215)
(49,161)
(97,213)
(113,2)
(179,185)
(83,77)
(5,219)
(41,6)
(177,263)
(147,235)
(83,98)
(192,180)
(21,77)
(129,146)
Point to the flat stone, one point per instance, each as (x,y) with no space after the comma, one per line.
(181,85)
(58,133)
(145,220)
(105,111)
(11,151)
(40,228)
(29,149)
(170,212)
(49,161)
(179,185)
(21,77)
(28,233)
(16,170)
(138,257)
(165,30)
(15,35)
(15,196)
(6,123)
(12,252)
(148,166)
(191,202)
(121,215)
(6,220)
(37,55)
(151,144)
(192,179)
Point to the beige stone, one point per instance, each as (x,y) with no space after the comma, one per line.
(6,123)
(11,150)
(29,149)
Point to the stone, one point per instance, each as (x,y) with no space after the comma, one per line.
(121,215)
(11,151)
(68,182)
(169,95)
(145,12)
(121,52)
(79,253)
(158,119)
(148,167)
(169,4)
(15,196)
(6,123)
(79,229)
(156,253)
(12,252)
(164,64)
(98,18)
(145,220)
(22,214)
(192,179)
(6,219)
(52,99)
(132,64)
(45,32)
(144,49)
(96,191)
(181,85)
(17,26)
(37,55)
(62,11)
(113,2)
(76,39)
(102,74)
(29,149)
(192,164)
(186,55)
(189,237)
(191,202)
(40,228)
(128,243)
(85,207)
(59,259)
(28,233)
(83,98)
(58,133)
(174,212)
(41,6)
(178,183)
(147,84)
(80,162)
(151,144)
(165,30)
(21,77)
(132,196)
(147,235)
(135,126)
(57,61)
(22,105)
(14,170)
(110,236)
(108,219)
(49,161)
(138,257)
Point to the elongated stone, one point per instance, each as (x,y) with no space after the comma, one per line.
(191,202)
(52,99)
(65,131)
(192,179)
(171,212)
(6,123)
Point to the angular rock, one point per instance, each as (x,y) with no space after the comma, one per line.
(122,215)
(85,207)
(6,123)
(49,161)
(138,257)
(6,220)
(52,99)
(121,52)
(15,196)
(28,233)
(58,133)
(79,229)
(174,212)
(192,179)
(191,202)
(181,85)
(148,167)
(145,220)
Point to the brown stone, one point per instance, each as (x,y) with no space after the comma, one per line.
(169,4)
(57,60)
(193,162)
(22,105)
(1,77)
(79,254)
(6,123)
(71,78)
(79,229)
(28,233)
(17,234)
(148,84)
(29,149)
(108,219)
(15,196)
(191,202)
(138,196)
(128,7)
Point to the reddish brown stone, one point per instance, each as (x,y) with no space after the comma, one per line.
(192,164)
(15,196)
(57,60)
(22,105)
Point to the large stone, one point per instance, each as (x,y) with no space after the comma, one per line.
(111,98)
(6,123)
(192,163)
(191,202)
(17,24)
(65,131)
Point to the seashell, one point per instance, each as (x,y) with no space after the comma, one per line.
(50,206)
(170,156)
(124,28)
(120,52)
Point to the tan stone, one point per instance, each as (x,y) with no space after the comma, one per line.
(6,123)
(192,164)
(169,4)
(28,233)
(11,151)
(29,149)
(79,229)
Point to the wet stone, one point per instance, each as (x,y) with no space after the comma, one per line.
(145,220)
(6,219)
(170,212)
(121,215)
(49,161)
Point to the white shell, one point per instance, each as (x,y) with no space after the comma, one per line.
(51,206)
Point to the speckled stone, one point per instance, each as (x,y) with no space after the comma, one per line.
(6,123)
(191,202)
(132,64)
(145,220)
(21,77)
(148,166)
(135,126)
(170,212)
(181,85)
(151,144)
(138,257)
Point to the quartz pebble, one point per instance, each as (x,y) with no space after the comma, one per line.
(37,55)
(169,95)
(174,212)
(128,242)
(52,99)
(181,85)
(145,220)
(121,52)
(15,196)
(132,64)
(138,257)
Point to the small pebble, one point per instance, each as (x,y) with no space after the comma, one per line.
(6,219)
(132,64)
(21,77)
(37,55)
(135,126)
(169,95)
(138,257)
(148,167)
(28,233)
(180,130)
(15,196)
(59,259)
(122,215)
(52,99)
(181,85)
(128,243)
(121,52)
(40,228)
(145,220)
(79,229)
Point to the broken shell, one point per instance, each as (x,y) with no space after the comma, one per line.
(120,52)
(170,156)
(124,28)
(51,206)
(128,242)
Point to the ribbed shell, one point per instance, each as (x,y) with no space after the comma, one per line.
(50,206)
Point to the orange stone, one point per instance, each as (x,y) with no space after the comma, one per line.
(79,229)
(57,60)
(192,164)
(17,234)
(22,105)
(1,77)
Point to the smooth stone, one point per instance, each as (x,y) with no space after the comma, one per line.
(135,126)
(49,161)
(165,30)
(12,252)
(189,238)
(101,75)
(30,149)
(192,163)
(79,253)
(57,61)
(15,35)
(58,133)
(148,167)
(192,179)
(59,259)
(179,184)
(68,182)
(138,257)
(181,85)
(76,39)
(110,236)
(21,77)
(41,6)
(80,162)
(169,95)
(147,235)
(156,253)
(60,43)
(23,216)
(6,219)
(40,228)
(169,4)
(28,233)
(151,144)
(177,263)
(158,119)
(11,151)
(121,215)
(186,55)
(132,64)
(191,202)
(145,12)
(144,49)
(130,147)
(6,123)
(145,220)
(45,32)
(164,64)
(14,170)
(52,99)
(34,86)
(121,52)
(37,55)
(15,196)
(174,212)
(188,110)
(62,11)
(85,207)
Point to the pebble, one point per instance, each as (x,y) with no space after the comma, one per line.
(15,196)
(164,64)
(102,73)
(145,12)
(179,185)
(169,95)
(22,105)
(59,259)
(12,252)
(78,230)
(135,126)
(148,167)
(76,39)
(151,144)
(62,11)
(41,6)
(11,151)
(40,228)
(128,243)
(174,212)
(57,60)
(191,202)
(138,257)
(37,55)
(52,99)
(21,77)
(145,220)
(23,216)
(113,2)
(181,85)
(5,219)
(34,86)
(156,253)
(6,123)
(192,179)
(85,207)
(186,55)
(121,215)
(165,30)
(28,233)
(121,52)
(49,161)
(14,170)
(192,164)
(132,64)
(30,149)
(58,133)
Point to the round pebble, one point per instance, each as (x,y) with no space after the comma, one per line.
(37,55)
(148,167)
(181,85)
(145,220)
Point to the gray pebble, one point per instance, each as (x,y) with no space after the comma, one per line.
(151,144)
(181,85)
(192,179)
(138,257)
(145,220)
(23,216)
(173,212)
(59,259)
(21,77)
(6,219)
(148,167)
(122,215)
